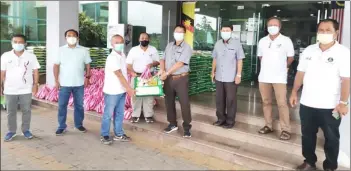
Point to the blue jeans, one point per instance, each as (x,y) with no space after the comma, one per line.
(64,95)
(114,106)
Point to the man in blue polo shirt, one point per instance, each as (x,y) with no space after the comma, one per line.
(69,78)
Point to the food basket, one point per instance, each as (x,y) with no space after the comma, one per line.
(150,87)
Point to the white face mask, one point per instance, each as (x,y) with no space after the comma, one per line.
(273,30)
(17,47)
(226,35)
(71,40)
(325,38)
(178,36)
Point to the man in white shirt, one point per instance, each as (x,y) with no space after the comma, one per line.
(139,59)
(70,79)
(115,88)
(19,78)
(324,71)
(276,53)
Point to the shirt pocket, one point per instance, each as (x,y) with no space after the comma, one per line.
(231,54)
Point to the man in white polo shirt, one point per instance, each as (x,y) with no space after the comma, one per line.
(276,53)
(139,58)
(19,77)
(324,71)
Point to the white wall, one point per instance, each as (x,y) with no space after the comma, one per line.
(344,154)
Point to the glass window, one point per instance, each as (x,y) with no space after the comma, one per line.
(31,30)
(89,10)
(12,8)
(10,26)
(103,12)
(5,46)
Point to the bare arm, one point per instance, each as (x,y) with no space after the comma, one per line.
(345,89)
(175,67)
(214,63)
(56,72)
(298,81)
(121,78)
(88,74)
(290,61)
(162,65)
(130,68)
(239,66)
(155,63)
(3,74)
(35,77)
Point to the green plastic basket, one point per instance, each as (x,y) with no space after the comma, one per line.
(141,89)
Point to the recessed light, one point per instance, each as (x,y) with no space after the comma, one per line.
(278,10)
(319,2)
(197,9)
(205,5)
(240,7)
(275,16)
(265,5)
(311,15)
(222,9)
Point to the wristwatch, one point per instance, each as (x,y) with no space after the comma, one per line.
(238,75)
(344,103)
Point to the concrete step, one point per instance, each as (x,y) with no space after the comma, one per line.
(244,133)
(240,117)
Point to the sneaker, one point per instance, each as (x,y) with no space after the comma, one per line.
(170,129)
(28,134)
(9,136)
(82,129)
(134,120)
(123,138)
(149,120)
(60,132)
(106,140)
(187,134)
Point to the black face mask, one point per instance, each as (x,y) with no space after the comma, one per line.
(144,43)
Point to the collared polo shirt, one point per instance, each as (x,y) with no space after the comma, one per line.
(139,58)
(274,55)
(174,53)
(19,72)
(114,62)
(72,63)
(227,55)
(323,72)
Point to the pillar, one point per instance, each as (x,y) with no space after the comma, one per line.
(188,15)
(60,16)
(344,154)
(169,21)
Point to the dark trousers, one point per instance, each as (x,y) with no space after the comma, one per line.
(178,87)
(311,120)
(226,101)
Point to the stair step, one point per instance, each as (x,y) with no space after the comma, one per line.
(247,134)
(240,117)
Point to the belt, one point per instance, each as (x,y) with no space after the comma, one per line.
(174,77)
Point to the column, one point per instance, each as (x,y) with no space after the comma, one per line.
(169,21)
(113,12)
(60,16)
(344,154)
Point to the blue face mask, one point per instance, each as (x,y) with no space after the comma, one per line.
(118,47)
(17,47)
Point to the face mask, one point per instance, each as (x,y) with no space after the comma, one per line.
(273,30)
(118,47)
(325,38)
(17,47)
(71,40)
(144,43)
(178,36)
(226,35)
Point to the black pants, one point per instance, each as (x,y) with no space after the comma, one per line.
(311,120)
(178,87)
(226,101)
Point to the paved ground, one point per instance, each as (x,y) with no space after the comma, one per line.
(78,151)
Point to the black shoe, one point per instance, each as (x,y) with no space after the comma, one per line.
(123,138)
(218,123)
(170,129)
(134,120)
(306,166)
(228,126)
(106,140)
(187,134)
(60,132)
(82,129)
(149,120)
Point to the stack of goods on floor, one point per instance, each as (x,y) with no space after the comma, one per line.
(246,74)
(98,57)
(40,53)
(200,74)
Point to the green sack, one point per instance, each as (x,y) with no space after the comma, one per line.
(144,89)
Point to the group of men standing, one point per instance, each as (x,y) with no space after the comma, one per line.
(324,70)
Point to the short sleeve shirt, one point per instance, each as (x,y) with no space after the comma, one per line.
(19,72)
(139,58)
(274,55)
(323,72)
(114,62)
(175,53)
(72,63)
(227,54)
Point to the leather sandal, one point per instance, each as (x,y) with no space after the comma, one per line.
(265,130)
(285,135)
